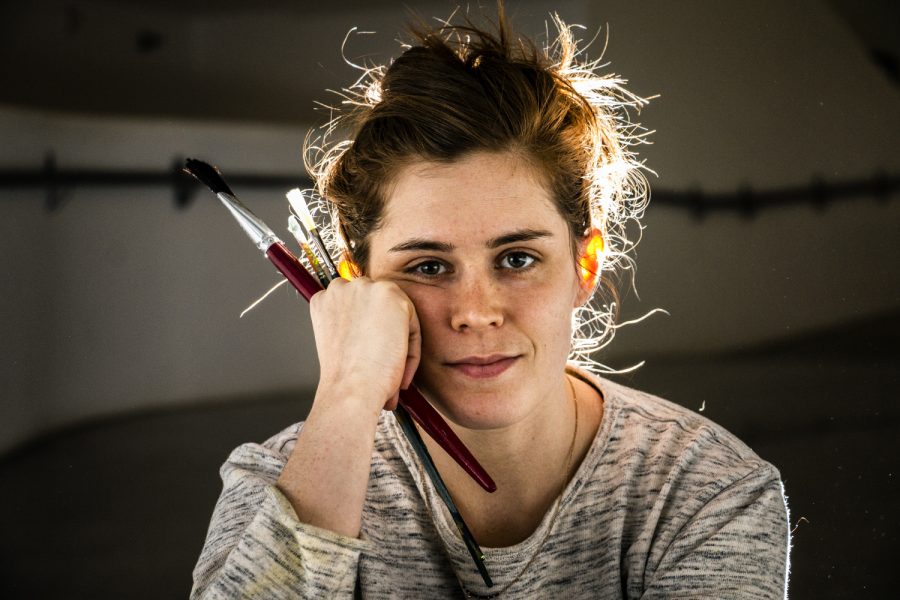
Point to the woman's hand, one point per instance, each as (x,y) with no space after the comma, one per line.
(367,338)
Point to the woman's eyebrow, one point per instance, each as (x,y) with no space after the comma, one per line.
(423,244)
(521,235)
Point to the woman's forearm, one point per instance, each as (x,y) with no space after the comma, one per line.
(326,476)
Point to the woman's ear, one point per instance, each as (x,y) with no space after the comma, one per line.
(590,263)
(347,268)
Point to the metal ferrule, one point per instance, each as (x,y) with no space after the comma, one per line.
(258,231)
(323,253)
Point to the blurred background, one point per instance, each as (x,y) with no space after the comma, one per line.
(126,375)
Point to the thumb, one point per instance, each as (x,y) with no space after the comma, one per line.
(413,352)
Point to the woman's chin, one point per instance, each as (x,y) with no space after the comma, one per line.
(479,412)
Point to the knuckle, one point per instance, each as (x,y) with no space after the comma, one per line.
(383,287)
(316,301)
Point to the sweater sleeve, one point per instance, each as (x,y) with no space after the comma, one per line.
(735,546)
(257,548)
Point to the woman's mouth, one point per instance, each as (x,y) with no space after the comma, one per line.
(483,367)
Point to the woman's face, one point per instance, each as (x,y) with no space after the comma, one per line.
(485,257)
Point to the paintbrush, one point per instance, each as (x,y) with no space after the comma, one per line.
(289,266)
(298,203)
(415,440)
(296,230)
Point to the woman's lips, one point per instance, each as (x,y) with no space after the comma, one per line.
(478,367)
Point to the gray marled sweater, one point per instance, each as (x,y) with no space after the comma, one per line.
(666,504)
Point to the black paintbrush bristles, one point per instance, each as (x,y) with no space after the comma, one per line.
(208,175)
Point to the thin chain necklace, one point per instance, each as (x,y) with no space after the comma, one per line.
(565,481)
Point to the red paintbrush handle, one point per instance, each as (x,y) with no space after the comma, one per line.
(293,270)
(416,404)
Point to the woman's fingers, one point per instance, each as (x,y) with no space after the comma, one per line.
(367,337)
(413,350)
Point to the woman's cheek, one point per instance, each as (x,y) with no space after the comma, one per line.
(430,306)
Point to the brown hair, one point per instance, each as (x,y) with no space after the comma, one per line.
(460,89)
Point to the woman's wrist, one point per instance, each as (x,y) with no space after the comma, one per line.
(348,400)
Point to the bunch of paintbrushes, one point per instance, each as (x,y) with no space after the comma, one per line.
(303,228)
(412,405)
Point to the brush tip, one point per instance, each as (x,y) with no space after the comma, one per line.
(295,196)
(298,203)
(294,228)
(208,175)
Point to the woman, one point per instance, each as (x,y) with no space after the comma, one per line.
(485,189)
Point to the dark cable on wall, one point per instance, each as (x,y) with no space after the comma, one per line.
(746,201)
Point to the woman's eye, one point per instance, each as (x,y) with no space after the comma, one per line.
(517,261)
(429,268)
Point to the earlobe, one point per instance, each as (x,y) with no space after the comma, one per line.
(590,264)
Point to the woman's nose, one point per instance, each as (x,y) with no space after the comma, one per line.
(477,305)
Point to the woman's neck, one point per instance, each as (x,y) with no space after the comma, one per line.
(531,461)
